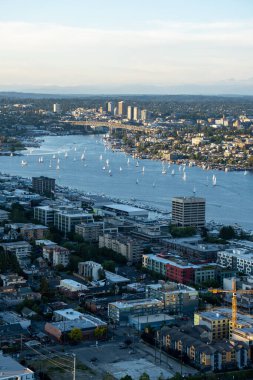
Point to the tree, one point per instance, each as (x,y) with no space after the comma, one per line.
(227,233)
(109,265)
(100,332)
(128,342)
(126,377)
(144,376)
(75,335)
(44,286)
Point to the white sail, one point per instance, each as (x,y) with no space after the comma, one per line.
(172,172)
(214,180)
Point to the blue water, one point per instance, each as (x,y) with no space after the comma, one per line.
(230,201)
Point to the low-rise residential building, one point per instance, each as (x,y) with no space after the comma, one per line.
(21,249)
(11,369)
(90,231)
(238,259)
(194,343)
(33,231)
(12,279)
(218,324)
(176,298)
(131,249)
(56,255)
(120,312)
(90,270)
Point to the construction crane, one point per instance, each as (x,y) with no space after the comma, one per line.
(234,299)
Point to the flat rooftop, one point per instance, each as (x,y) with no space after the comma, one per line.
(139,302)
(70,314)
(152,318)
(125,208)
(87,322)
(10,368)
(189,199)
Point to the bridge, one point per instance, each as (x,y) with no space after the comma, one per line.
(111,125)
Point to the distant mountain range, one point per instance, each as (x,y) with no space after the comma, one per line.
(227,88)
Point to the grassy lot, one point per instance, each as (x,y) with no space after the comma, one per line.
(53,370)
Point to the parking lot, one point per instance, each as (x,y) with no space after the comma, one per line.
(134,360)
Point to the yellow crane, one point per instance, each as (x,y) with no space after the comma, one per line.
(234,298)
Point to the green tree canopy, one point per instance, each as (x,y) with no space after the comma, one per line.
(75,335)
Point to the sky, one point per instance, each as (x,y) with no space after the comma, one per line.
(127,46)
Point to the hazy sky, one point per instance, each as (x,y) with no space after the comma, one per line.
(127,44)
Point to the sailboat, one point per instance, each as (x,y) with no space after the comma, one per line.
(143,170)
(120,169)
(58,160)
(57,166)
(164,171)
(179,168)
(66,154)
(110,172)
(11,154)
(41,160)
(184,176)
(82,157)
(137,181)
(128,161)
(154,184)
(54,156)
(137,164)
(214,180)
(245,172)
(101,157)
(172,172)
(50,164)
(23,163)
(107,162)
(103,167)
(75,149)
(194,190)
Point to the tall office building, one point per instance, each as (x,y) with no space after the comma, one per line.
(110,107)
(42,185)
(121,108)
(136,113)
(130,113)
(145,115)
(189,211)
(57,108)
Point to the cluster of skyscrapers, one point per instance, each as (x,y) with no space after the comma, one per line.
(130,112)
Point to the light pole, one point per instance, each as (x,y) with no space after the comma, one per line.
(74,367)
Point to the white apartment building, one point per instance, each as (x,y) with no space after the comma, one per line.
(90,269)
(56,255)
(238,259)
(128,247)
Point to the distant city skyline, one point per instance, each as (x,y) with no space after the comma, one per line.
(162,47)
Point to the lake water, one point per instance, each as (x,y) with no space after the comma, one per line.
(230,201)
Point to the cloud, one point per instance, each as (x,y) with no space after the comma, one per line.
(162,52)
